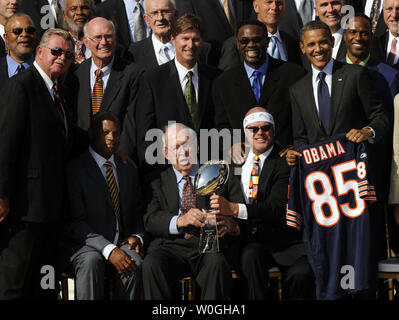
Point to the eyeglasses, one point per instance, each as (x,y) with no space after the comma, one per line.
(28,30)
(245,41)
(56,52)
(265,128)
(162,13)
(107,37)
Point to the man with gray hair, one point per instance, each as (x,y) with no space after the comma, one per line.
(105,81)
(35,136)
(76,13)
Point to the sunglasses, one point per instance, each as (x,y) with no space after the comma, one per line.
(28,30)
(245,41)
(265,128)
(56,52)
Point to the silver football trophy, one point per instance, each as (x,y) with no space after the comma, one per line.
(209,178)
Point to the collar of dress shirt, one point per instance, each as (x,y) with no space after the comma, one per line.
(2,31)
(327,69)
(262,157)
(182,71)
(191,173)
(338,36)
(158,45)
(277,35)
(49,83)
(13,65)
(106,70)
(100,160)
(262,68)
(131,5)
(362,63)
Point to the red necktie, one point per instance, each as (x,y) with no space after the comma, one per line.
(392,53)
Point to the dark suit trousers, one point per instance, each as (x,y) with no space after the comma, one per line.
(165,265)
(24,249)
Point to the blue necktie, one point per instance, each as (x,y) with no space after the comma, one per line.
(324,100)
(273,48)
(256,84)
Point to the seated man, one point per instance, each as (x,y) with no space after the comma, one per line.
(174,217)
(106,216)
(266,241)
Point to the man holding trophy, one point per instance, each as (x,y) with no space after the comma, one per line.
(174,219)
(265,239)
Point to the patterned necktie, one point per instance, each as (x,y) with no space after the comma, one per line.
(392,52)
(165,57)
(97,94)
(375,14)
(273,48)
(79,50)
(60,108)
(256,84)
(189,94)
(113,189)
(139,25)
(189,200)
(229,15)
(305,11)
(254,181)
(20,68)
(323,96)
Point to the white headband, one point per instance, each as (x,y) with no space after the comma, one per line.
(256,117)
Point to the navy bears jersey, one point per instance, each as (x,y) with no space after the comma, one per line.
(328,197)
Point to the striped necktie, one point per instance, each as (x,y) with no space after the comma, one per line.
(189,201)
(229,15)
(97,94)
(254,181)
(374,14)
(113,189)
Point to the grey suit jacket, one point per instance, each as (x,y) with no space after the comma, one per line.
(92,217)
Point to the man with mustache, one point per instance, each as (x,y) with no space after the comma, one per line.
(76,14)
(7,9)
(105,81)
(35,136)
(21,41)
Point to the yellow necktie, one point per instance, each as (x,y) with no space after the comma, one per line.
(97,94)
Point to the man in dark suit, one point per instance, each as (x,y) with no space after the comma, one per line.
(220,21)
(157,49)
(21,41)
(106,214)
(265,238)
(281,45)
(118,78)
(35,134)
(180,90)
(76,14)
(7,9)
(122,14)
(384,47)
(44,13)
(239,89)
(292,21)
(173,219)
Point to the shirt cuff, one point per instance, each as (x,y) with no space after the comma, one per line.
(372,138)
(108,249)
(173,226)
(242,211)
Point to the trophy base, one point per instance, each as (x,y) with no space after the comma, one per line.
(209,242)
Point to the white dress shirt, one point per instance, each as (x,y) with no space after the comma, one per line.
(182,72)
(106,73)
(158,46)
(245,177)
(337,42)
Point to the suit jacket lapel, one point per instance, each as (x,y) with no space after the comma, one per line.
(175,86)
(271,80)
(242,84)
(122,182)
(149,53)
(170,190)
(337,86)
(113,84)
(84,94)
(204,85)
(266,171)
(308,99)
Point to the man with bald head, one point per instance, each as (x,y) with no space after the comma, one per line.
(105,81)
(7,9)
(266,241)
(21,41)
(76,13)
